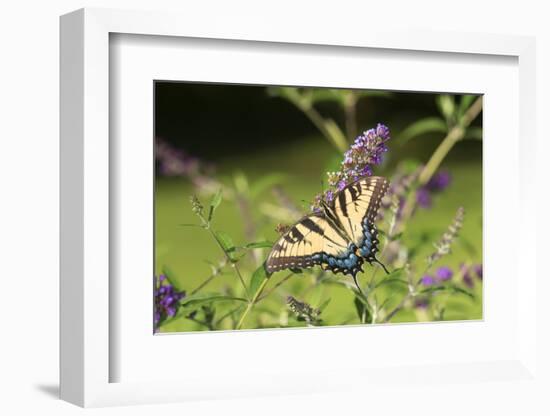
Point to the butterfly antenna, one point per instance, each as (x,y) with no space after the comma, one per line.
(357,284)
(380,263)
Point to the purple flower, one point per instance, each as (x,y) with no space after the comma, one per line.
(439,181)
(175,162)
(167,300)
(423,198)
(443,274)
(365,152)
(427,280)
(466,276)
(421,303)
(478,270)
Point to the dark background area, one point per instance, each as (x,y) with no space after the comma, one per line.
(213,121)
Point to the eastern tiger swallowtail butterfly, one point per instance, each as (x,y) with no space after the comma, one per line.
(340,238)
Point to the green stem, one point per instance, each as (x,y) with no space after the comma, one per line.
(237,271)
(251,304)
(216,272)
(454,135)
(231,312)
(397,308)
(327,127)
(270,291)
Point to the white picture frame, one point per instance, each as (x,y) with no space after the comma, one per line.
(87,166)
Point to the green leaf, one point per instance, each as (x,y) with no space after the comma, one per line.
(446,105)
(390,282)
(193,302)
(362,310)
(259,244)
(259,275)
(456,289)
(449,288)
(423,126)
(214,203)
(474,133)
(226,242)
(199,299)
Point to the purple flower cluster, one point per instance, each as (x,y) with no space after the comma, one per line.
(364,153)
(468,273)
(166,299)
(439,182)
(442,274)
(175,162)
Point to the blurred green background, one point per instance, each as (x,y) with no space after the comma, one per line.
(242,134)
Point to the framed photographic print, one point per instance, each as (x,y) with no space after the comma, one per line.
(277,210)
(347,256)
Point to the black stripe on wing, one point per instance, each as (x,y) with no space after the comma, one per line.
(312,241)
(356,207)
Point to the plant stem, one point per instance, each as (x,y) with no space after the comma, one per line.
(231,312)
(397,308)
(328,127)
(251,303)
(237,271)
(455,134)
(216,272)
(270,291)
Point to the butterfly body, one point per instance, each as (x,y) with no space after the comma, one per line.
(340,238)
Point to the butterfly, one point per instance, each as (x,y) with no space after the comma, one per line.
(340,238)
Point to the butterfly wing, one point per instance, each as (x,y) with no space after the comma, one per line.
(314,241)
(355,208)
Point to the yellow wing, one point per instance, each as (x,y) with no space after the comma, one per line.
(306,244)
(356,206)
(340,239)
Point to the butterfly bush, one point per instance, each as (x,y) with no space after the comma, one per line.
(443,246)
(173,161)
(167,299)
(366,152)
(442,274)
(438,183)
(303,311)
(421,279)
(470,272)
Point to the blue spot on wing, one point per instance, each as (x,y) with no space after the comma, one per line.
(368,244)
